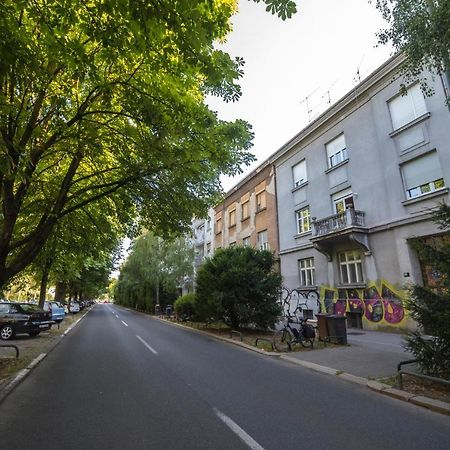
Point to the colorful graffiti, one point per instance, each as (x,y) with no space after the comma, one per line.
(373,303)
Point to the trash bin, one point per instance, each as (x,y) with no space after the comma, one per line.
(322,325)
(337,328)
(169,310)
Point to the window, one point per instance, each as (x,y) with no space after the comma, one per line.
(303,218)
(208,225)
(219,225)
(260,201)
(406,108)
(422,175)
(233,244)
(232,218)
(263,243)
(200,232)
(246,241)
(306,270)
(351,267)
(342,200)
(336,151)
(299,173)
(208,248)
(244,210)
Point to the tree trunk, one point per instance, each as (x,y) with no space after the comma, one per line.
(44,279)
(60,291)
(43,291)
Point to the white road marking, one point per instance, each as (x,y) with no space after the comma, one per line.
(147,345)
(124,323)
(238,430)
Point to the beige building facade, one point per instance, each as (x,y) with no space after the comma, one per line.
(248,214)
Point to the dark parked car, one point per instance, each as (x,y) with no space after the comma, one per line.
(16,318)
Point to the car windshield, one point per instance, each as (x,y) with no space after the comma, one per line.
(26,307)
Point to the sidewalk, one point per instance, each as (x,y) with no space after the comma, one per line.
(370,354)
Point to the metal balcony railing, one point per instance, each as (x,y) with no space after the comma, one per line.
(349,218)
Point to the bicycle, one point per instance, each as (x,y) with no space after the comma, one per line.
(284,339)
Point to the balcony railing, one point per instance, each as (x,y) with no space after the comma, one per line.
(349,218)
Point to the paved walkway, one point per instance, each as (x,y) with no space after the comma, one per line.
(370,354)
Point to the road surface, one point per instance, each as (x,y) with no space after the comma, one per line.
(122,380)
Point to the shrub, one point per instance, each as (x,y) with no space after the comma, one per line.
(239,286)
(430,307)
(185,306)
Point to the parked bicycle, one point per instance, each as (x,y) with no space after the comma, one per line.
(288,336)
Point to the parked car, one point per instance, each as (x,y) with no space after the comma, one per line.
(74,307)
(17,318)
(56,309)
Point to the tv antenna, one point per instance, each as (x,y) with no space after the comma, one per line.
(357,77)
(306,101)
(327,92)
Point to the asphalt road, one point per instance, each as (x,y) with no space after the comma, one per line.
(122,380)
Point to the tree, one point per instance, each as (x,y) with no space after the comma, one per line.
(430,307)
(420,29)
(81,246)
(153,271)
(106,100)
(239,286)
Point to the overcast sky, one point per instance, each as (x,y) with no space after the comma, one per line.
(318,52)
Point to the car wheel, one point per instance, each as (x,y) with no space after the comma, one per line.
(7,332)
(34,333)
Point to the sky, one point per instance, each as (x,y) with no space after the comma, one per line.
(316,54)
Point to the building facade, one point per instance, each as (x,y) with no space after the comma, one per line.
(248,214)
(354,187)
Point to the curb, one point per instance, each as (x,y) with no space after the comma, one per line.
(219,338)
(381,388)
(23,373)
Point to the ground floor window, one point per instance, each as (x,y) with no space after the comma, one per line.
(306,271)
(350,267)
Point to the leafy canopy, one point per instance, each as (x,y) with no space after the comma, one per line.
(420,29)
(154,267)
(106,99)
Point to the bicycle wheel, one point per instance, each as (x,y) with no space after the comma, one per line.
(307,342)
(282,341)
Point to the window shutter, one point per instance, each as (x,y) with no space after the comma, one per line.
(422,170)
(299,173)
(406,108)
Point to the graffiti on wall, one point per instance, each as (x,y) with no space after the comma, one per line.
(296,302)
(374,303)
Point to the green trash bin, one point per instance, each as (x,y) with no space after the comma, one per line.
(337,328)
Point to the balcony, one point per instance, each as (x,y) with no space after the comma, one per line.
(349,218)
(348,226)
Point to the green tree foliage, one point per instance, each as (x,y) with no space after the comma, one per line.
(431,307)
(106,99)
(153,271)
(239,286)
(81,250)
(420,29)
(185,306)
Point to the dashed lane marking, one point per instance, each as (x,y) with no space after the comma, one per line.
(238,430)
(147,345)
(124,323)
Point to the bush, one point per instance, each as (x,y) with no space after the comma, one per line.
(239,286)
(185,306)
(430,307)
